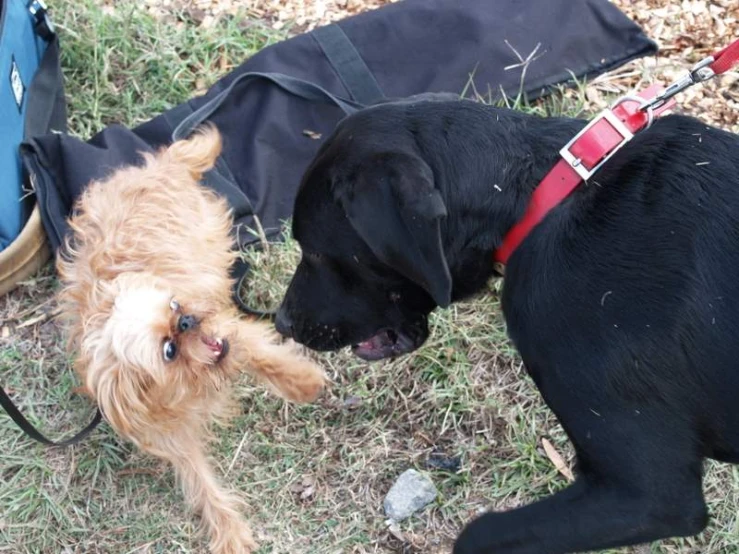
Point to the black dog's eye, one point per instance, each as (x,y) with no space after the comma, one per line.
(394,296)
(169,350)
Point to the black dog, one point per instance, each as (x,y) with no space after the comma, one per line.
(623,302)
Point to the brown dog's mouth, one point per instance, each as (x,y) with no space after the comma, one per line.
(388,343)
(219,347)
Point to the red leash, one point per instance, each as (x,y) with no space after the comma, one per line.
(723,60)
(607,133)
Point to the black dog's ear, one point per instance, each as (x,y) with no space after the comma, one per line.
(391,201)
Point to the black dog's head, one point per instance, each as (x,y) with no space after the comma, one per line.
(367,218)
(380,251)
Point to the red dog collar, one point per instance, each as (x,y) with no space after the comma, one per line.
(608,132)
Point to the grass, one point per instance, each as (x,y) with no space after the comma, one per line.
(463,394)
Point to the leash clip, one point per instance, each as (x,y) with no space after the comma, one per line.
(699,73)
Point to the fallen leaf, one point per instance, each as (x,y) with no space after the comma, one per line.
(352,402)
(207,22)
(197,15)
(305,488)
(307,493)
(5,332)
(425,437)
(396,532)
(200,86)
(556,458)
(308,481)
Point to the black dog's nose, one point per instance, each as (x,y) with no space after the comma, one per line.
(186,322)
(283,323)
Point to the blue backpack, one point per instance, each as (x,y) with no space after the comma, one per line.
(31,102)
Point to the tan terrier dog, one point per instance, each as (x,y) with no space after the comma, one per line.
(151,323)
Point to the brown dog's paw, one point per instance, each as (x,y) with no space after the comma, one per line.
(280,365)
(305,384)
(234,537)
(290,374)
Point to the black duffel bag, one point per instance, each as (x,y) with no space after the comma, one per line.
(309,82)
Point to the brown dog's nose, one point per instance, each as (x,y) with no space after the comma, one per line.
(186,322)
(283,323)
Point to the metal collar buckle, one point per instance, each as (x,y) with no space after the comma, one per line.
(618,126)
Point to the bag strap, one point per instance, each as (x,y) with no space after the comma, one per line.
(348,64)
(292,85)
(184,120)
(32,432)
(47,108)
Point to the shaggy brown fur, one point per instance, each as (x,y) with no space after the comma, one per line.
(156,339)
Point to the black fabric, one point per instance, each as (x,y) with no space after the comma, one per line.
(295,93)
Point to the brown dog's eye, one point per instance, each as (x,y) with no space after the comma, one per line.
(169,350)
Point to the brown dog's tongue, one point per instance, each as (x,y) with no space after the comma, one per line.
(215,345)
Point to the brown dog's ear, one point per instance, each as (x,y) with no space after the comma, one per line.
(391,201)
(117,399)
(198,152)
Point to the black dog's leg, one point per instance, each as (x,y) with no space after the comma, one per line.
(632,488)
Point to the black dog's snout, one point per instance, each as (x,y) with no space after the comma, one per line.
(283,323)
(186,322)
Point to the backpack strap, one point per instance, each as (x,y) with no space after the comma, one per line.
(47,108)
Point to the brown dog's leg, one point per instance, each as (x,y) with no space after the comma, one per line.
(282,367)
(219,509)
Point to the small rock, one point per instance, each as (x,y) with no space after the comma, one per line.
(411,492)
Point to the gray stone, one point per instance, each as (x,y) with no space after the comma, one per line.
(411,492)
